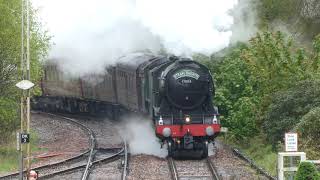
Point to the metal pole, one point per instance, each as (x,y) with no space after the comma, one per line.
(28,91)
(22,106)
(19,139)
(291,165)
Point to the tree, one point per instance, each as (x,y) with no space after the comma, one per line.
(288,107)
(248,76)
(10,58)
(309,132)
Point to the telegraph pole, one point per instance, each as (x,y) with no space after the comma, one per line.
(28,78)
(23,137)
(19,146)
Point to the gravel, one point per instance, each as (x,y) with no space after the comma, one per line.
(229,166)
(147,167)
(107,171)
(76,175)
(57,136)
(193,169)
(104,129)
(106,137)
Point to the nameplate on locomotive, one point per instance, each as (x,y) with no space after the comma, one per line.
(186,73)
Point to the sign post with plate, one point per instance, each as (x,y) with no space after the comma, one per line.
(25,138)
(291,145)
(291,142)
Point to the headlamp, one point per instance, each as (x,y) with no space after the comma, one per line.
(188,119)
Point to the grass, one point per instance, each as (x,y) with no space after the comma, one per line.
(261,153)
(9,156)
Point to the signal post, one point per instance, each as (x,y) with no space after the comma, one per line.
(23,137)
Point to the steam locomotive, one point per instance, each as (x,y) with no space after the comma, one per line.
(176,93)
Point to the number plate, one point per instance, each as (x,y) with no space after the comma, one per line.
(25,138)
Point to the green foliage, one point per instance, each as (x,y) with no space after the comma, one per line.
(243,115)
(10,59)
(309,133)
(288,107)
(234,93)
(8,116)
(307,171)
(270,10)
(316,58)
(247,76)
(9,153)
(288,13)
(273,63)
(8,158)
(262,153)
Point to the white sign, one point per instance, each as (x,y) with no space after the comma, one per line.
(18,141)
(25,84)
(291,142)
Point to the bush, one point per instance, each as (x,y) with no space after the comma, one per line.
(288,107)
(8,118)
(309,133)
(307,171)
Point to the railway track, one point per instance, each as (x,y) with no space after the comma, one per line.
(102,159)
(83,162)
(179,170)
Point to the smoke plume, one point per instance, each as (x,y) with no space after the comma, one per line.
(140,135)
(88,35)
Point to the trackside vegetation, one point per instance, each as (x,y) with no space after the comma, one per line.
(10,61)
(10,73)
(307,170)
(270,84)
(264,88)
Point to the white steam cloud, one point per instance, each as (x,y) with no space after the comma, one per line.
(140,135)
(89,34)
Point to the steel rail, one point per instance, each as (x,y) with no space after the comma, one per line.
(212,169)
(41,168)
(92,143)
(109,159)
(172,169)
(174,172)
(59,163)
(125,166)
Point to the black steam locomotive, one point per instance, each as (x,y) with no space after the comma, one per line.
(175,92)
